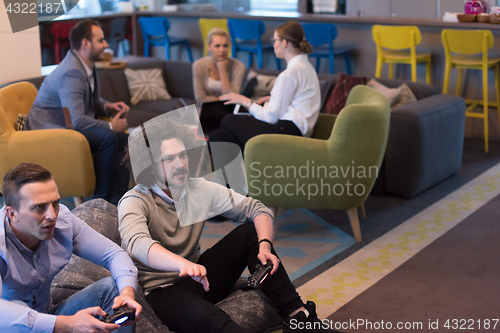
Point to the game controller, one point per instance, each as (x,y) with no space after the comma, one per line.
(261,272)
(120,316)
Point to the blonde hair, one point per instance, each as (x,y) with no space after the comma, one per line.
(216,32)
(295,35)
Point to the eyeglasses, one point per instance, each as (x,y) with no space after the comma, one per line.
(274,40)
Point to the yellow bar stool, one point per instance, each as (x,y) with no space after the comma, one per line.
(392,44)
(208,24)
(470,50)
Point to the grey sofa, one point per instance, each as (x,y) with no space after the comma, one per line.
(250,309)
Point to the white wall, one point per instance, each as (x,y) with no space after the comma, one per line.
(20,56)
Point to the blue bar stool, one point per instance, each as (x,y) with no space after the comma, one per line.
(321,36)
(154,31)
(245,36)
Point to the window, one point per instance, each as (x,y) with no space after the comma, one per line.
(274,5)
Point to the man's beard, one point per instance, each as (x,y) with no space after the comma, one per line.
(96,56)
(164,182)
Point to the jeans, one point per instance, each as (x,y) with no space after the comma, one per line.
(108,149)
(101,293)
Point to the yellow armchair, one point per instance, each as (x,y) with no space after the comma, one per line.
(66,153)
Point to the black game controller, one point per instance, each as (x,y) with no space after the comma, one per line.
(261,271)
(120,316)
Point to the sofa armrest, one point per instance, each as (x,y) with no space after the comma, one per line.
(429,105)
(425,144)
(66,153)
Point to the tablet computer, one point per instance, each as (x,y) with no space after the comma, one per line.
(216,108)
(211,114)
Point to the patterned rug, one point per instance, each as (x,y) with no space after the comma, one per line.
(303,240)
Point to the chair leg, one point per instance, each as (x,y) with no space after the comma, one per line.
(78,201)
(317,64)
(250,59)
(352,213)
(414,71)
(378,68)
(428,74)
(459,81)
(167,51)
(188,48)
(391,70)
(347,63)
(278,63)
(57,51)
(259,58)
(362,211)
(446,81)
(332,64)
(497,89)
(485,107)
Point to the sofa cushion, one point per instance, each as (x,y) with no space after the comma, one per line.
(178,76)
(143,112)
(146,85)
(113,85)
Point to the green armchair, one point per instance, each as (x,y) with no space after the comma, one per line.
(335,169)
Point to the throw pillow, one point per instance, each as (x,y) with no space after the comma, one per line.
(391,94)
(336,100)
(146,85)
(21,122)
(405,97)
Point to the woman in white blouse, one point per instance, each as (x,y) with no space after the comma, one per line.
(294,103)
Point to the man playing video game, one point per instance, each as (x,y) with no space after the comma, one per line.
(38,235)
(181,284)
